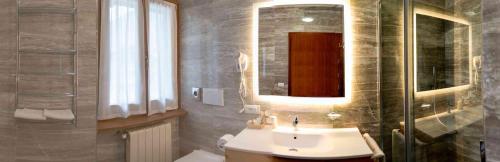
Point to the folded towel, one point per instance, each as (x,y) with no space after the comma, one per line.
(377,152)
(29,114)
(59,114)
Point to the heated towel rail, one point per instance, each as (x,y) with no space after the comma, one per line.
(47,58)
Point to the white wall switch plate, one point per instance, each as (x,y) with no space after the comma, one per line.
(213,96)
(252,109)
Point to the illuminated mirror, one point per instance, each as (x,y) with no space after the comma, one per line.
(301,50)
(442,52)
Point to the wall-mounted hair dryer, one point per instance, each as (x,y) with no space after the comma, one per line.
(242,67)
(243,62)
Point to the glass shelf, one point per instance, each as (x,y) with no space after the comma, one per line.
(48,73)
(66,60)
(39,10)
(48,52)
(47,94)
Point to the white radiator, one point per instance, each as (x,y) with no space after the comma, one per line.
(151,144)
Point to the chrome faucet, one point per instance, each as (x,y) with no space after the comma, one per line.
(295,121)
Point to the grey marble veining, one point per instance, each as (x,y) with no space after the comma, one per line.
(8,29)
(23,141)
(491,78)
(212,34)
(391,87)
(46,31)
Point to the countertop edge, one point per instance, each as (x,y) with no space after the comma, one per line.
(299,157)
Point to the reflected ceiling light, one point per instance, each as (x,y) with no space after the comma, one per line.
(308,19)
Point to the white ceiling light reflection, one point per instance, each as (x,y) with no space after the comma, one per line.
(307,19)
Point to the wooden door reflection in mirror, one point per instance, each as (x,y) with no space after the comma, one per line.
(315,64)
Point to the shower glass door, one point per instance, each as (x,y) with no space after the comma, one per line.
(444,109)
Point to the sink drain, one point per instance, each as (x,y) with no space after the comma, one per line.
(293,149)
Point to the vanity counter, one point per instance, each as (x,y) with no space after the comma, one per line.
(313,143)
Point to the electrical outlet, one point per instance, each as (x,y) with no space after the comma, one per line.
(252,109)
(196,93)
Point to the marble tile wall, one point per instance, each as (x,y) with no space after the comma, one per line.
(491,78)
(8,47)
(391,87)
(30,141)
(212,34)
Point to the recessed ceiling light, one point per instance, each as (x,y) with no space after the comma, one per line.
(308,19)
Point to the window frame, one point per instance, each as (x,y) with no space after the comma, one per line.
(146,57)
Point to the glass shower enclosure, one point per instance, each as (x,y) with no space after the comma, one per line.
(437,114)
(443,47)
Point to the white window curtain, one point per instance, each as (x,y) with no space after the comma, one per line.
(122,60)
(162,51)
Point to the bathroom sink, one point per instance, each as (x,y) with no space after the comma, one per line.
(302,143)
(288,141)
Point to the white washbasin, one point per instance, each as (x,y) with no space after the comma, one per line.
(289,142)
(303,143)
(300,140)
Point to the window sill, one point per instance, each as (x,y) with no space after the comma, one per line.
(137,121)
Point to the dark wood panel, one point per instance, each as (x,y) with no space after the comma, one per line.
(316,64)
